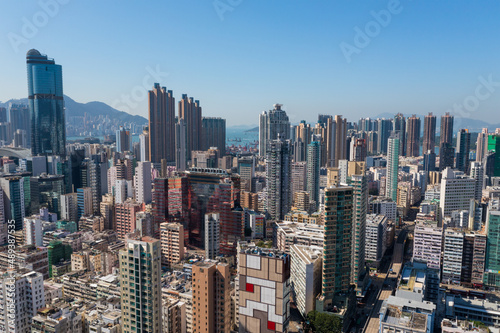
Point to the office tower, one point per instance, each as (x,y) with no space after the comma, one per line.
(446,132)
(140,269)
(446,156)
(477,173)
(462,151)
(413,136)
(393,149)
(337,242)
(452,256)
(46,101)
(384,128)
(482,145)
(359,183)
(161,124)
(13,188)
(456,192)
(400,127)
(212,222)
(125,214)
(358,150)
(492,260)
(429,161)
(190,111)
(211,297)
(428,238)
(336,133)
(123,140)
(23,295)
(246,170)
(144,145)
(180,145)
(142,182)
(429,133)
(305,276)
(263,289)
(313,160)
(278,171)
(214,134)
(172,243)
(494,146)
(376,237)
(84,201)
(299,171)
(19,118)
(273,124)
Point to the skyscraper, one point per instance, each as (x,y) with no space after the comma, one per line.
(413,136)
(313,160)
(123,140)
(446,132)
(140,268)
(359,183)
(400,127)
(190,111)
(429,133)
(144,145)
(482,145)
(161,124)
(46,101)
(384,128)
(214,134)
(446,156)
(180,145)
(278,172)
(391,184)
(272,124)
(14,199)
(19,117)
(462,151)
(336,133)
(142,182)
(492,262)
(494,146)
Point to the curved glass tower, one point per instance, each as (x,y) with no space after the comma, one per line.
(45,94)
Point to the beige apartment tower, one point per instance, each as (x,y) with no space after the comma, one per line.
(172,243)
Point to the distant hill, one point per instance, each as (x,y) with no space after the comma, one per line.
(252,130)
(75,109)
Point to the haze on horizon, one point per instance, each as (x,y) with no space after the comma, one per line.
(239,57)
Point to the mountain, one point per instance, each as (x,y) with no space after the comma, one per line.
(474,125)
(75,109)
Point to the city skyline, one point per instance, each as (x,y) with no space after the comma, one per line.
(390,79)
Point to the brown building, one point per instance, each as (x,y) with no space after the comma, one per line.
(250,200)
(211,297)
(161,124)
(190,111)
(263,287)
(125,217)
(446,133)
(429,133)
(413,136)
(172,243)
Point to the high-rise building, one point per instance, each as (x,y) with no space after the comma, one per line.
(14,199)
(212,223)
(391,185)
(400,127)
(376,237)
(211,297)
(123,140)
(161,125)
(190,111)
(23,296)
(20,122)
(84,202)
(142,182)
(429,133)
(313,161)
(301,140)
(494,146)
(457,191)
(263,289)
(358,150)
(214,134)
(492,260)
(273,124)
(359,183)
(172,243)
(413,136)
(462,151)
(336,147)
(140,268)
(446,156)
(46,101)
(180,145)
(144,145)
(477,173)
(278,172)
(446,132)
(299,178)
(427,244)
(482,145)
(453,249)
(384,128)
(125,214)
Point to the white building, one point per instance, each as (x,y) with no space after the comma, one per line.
(69,207)
(33,231)
(142,182)
(452,256)
(428,238)
(384,206)
(457,190)
(212,222)
(376,237)
(305,275)
(27,298)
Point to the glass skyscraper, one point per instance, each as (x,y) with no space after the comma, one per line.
(45,94)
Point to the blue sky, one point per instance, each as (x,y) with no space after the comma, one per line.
(246,55)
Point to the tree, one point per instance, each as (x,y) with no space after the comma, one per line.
(324,322)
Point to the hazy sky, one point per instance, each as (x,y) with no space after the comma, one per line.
(238,57)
